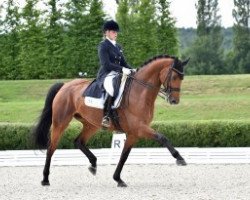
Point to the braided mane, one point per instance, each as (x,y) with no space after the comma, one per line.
(156,58)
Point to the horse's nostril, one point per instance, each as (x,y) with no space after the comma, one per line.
(173,101)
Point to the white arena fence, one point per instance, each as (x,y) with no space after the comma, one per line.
(110,156)
(137,156)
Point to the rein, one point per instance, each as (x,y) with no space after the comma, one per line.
(143,83)
(150,86)
(167,90)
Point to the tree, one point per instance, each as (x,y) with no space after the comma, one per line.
(1,19)
(95,21)
(10,46)
(206,53)
(241,43)
(127,25)
(32,43)
(166,31)
(55,43)
(84,20)
(2,40)
(140,30)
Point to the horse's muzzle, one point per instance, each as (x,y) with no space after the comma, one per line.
(173,101)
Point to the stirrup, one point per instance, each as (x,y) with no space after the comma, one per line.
(106,122)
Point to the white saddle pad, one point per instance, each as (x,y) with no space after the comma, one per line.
(108,85)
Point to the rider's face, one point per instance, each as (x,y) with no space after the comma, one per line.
(112,35)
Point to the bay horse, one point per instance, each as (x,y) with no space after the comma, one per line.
(64,102)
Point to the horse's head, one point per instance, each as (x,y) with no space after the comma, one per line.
(171,77)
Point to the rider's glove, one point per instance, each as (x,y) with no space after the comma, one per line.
(126,71)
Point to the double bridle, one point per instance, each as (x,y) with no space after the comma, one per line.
(168,89)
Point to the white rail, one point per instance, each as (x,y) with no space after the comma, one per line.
(137,156)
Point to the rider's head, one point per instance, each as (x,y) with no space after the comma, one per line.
(110,29)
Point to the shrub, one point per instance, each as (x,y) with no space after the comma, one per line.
(181,134)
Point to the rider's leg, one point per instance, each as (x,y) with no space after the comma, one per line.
(107,111)
(112,94)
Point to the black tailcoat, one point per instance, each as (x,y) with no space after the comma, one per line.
(111,59)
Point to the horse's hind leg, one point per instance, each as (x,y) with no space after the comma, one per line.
(54,140)
(148,133)
(80,142)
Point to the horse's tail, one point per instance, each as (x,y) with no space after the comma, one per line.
(41,131)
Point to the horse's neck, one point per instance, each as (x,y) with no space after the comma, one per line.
(151,73)
(144,91)
(149,76)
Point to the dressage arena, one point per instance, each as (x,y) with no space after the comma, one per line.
(222,173)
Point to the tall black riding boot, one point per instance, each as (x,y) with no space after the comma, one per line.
(107,110)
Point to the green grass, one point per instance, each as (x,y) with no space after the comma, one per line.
(224,97)
(23,90)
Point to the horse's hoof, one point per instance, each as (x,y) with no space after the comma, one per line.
(121,184)
(181,162)
(45,183)
(92,170)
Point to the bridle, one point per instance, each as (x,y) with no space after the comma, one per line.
(168,89)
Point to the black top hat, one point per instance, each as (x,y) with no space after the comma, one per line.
(111,26)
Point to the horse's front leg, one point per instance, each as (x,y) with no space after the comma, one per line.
(125,153)
(160,138)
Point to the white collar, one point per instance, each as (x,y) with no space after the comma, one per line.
(112,41)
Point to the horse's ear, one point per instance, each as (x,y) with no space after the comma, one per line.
(185,62)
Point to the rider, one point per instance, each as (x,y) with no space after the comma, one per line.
(112,64)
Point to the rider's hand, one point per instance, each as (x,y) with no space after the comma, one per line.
(126,71)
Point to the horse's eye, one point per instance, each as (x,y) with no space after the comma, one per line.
(174,78)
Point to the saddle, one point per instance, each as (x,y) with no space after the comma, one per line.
(95,95)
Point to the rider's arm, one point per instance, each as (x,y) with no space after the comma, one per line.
(105,60)
(123,61)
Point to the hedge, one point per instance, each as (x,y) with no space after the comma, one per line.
(181,134)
